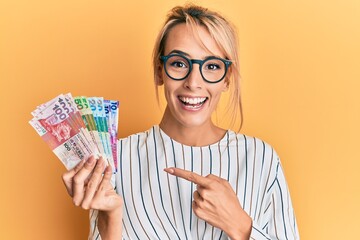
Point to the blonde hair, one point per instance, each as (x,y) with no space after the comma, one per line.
(222,31)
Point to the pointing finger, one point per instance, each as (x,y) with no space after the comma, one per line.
(187,175)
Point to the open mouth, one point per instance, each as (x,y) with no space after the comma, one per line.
(193,103)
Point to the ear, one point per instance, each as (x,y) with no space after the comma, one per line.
(225,88)
(226,85)
(159,76)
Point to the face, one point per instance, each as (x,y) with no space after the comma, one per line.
(191,102)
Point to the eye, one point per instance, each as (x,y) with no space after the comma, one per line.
(212,66)
(178,64)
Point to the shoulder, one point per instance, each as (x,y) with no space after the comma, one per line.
(254,150)
(249,142)
(139,137)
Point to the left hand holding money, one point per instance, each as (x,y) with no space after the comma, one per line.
(90,188)
(216,203)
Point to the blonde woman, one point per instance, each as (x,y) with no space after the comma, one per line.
(187,178)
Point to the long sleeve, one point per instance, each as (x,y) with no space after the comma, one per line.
(281,222)
(94,232)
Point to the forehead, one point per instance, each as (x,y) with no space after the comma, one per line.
(197,43)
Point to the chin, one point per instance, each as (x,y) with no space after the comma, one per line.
(191,123)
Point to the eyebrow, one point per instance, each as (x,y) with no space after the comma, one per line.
(179,52)
(188,55)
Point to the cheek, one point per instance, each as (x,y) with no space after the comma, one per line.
(217,97)
(169,89)
(216,92)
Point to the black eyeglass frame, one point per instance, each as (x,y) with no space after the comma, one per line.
(226,62)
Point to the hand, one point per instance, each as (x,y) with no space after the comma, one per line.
(89,188)
(216,203)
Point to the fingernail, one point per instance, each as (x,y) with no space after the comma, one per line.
(98,156)
(169,170)
(90,160)
(99,163)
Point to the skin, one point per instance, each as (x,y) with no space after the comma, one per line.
(189,127)
(214,199)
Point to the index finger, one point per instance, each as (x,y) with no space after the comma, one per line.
(187,175)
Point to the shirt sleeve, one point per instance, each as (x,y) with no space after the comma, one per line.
(94,232)
(281,222)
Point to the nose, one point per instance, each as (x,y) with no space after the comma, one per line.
(194,80)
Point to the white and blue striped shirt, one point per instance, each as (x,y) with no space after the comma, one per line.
(158,205)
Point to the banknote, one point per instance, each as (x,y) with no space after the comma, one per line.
(59,125)
(112,118)
(76,127)
(97,107)
(88,118)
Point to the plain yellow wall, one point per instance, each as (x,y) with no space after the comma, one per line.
(301,71)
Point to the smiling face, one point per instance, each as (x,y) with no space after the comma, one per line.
(191,102)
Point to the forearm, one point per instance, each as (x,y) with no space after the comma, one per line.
(240,230)
(110,225)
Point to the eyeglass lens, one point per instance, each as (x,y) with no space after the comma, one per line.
(178,67)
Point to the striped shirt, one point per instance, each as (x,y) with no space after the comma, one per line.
(159,206)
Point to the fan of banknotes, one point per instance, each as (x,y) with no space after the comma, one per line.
(77,127)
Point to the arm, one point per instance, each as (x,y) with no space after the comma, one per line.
(216,203)
(281,222)
(110,225)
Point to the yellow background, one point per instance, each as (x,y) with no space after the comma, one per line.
(300,63)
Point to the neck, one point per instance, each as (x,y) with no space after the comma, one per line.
(199,135)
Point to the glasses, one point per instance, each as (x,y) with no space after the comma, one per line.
(212,69)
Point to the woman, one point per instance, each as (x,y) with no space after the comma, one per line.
(216,184)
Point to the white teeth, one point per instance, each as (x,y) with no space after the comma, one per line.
(192,100)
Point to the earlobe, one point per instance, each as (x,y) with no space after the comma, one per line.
(159,78)
(159,81)
(226,86)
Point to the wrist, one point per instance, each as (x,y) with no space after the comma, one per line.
(110,224)
(242,230)
(112,215)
